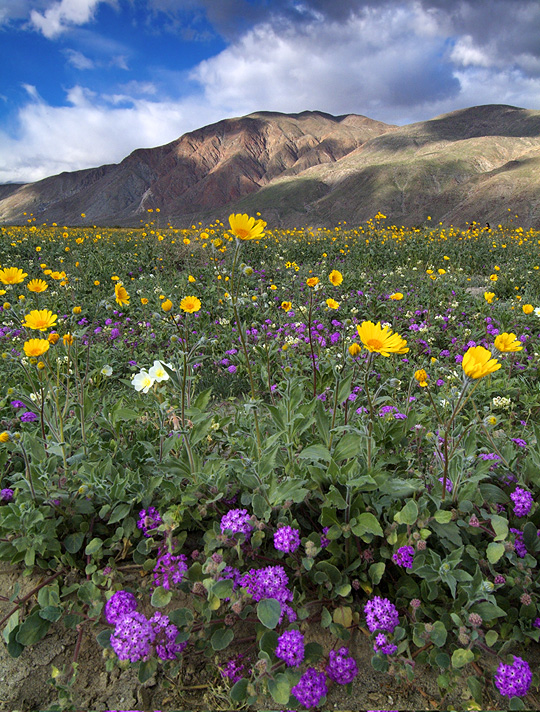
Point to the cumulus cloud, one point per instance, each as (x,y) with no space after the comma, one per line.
(63,14)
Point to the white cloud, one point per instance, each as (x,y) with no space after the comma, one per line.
(63,14)
(79,60)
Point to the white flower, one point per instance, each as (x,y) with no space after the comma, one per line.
(158,372)
(106,370)
(537,311)
(143,381)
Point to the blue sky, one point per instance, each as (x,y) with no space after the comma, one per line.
(85,82)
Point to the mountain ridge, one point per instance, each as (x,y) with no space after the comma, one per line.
(310,167)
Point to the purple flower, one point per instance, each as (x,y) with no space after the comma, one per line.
(28,417)
(489,456)
(132,637)
(237,521)
(513,680)
(449,485)
(404,556)
(519,442)
(149,519)
(311,688)
(287,539)
(165,634)
(120,604)
(381,645)
(115,333)
(342,667)
(324,539)
(381,614)
(270,582)
(290,647)
(232,369)
(6,495)
(522,500)
(169,569)
(519,545)
(17,404)
(233,670)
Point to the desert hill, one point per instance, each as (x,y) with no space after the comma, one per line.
(471,164)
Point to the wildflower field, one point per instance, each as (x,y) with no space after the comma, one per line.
(251,448)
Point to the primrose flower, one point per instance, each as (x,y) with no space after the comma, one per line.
(381,340)
(158,371)
(40,319)
(167,305)
(527,308)
(477,362)
(286,306)
(396,296)
(121,295)
(12,275)
(355,349)
(143,381)
(37,285)
(312,281)
(335,277)
(489,296)
(332,304)
(106,370)
(190,304)
(245,228)
(421,376)
(507,342)
(34,348)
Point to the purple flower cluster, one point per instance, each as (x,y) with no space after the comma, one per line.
(522,500)
(404,556)
(311,688)
(6,495)
(513,680)
(234,668)
(342,667)
(270,582)
(120,604)
(449,485)
(287,539)
(237,521)
(135,637)
(324,539)
(149,519)
(381,614)
(169,569)
(381,645)
(290,647)
(28,417)
(519,544)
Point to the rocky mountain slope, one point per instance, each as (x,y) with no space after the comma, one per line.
(310,168)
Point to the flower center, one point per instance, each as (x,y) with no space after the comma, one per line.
(242,233)
(375,344)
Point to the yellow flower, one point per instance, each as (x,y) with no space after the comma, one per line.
(477,362)
(355,349)
(67,339)
(245,228)
(76,310)
(217,243)
(53,337)
(40,319)
(528,308)
(273,287)
(489,296)
(493,277)
(396,296)
(441,271)
(381,340)
(312,281)
(144,300)
(507,342)
(191,278)
(4,437)
(286,306)
(421,376)
(190,304)
(166,305)
(120,292)
(35,347)
(12,275)
(335,277)
(37,285)
(186,241)
(332,304)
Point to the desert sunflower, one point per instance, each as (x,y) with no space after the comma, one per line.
(245,228)
(507,342)
(37,285)
(381,340)
(40,319)
(477,362)
(12,275)
(190,304)
(120,292)
(34,348)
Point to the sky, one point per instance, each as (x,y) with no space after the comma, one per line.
(86,82)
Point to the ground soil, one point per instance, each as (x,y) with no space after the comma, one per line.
(25,687)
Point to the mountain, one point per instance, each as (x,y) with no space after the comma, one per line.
(310,168)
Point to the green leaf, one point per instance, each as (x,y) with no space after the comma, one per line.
(500,527)
(376,572)
(239,690)
(104,638)
(119,512)
(221,638)
(475,686)
(349,446)
(268,642)
(488,611)
(33,629)
(51,613)
(314,453)
(93,546)
(439,634)
(516,703)
(146,669)
(161,597)
(269,612)
(409,513)
(223,588)
(73,542)
(495,550)
(443,516)
(491,638)
(280,689)
(181,617)
(462,657)
(366,523)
